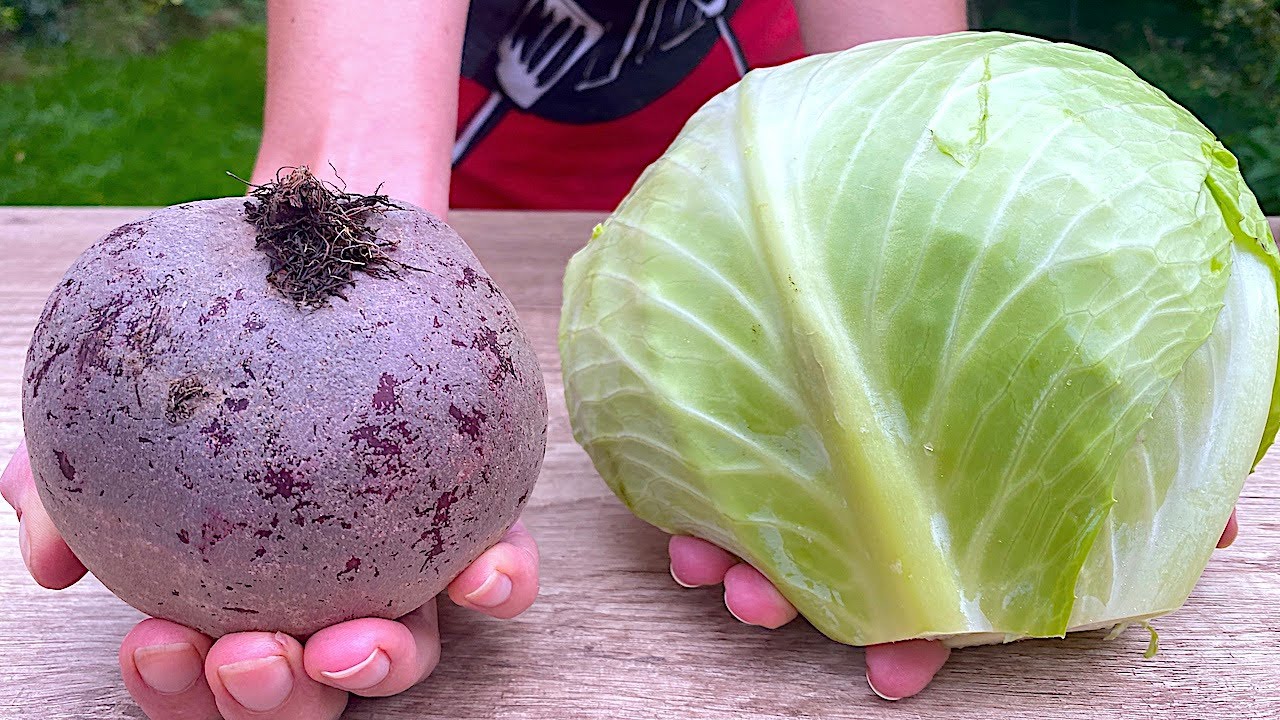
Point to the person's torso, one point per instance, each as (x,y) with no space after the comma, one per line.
(564,102)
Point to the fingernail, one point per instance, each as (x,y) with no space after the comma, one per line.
(679,582)
(495,591)
(169,669)
(729,607)
(24,544)
(364,674)
(260,684)
(877,692)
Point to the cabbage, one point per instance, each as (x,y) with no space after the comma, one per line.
(970,337)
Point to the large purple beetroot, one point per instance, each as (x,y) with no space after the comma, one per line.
(235,452)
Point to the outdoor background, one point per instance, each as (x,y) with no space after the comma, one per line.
(150,102)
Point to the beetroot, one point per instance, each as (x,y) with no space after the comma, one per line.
(232,452)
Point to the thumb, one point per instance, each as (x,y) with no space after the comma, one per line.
(49,560)
(902,669)
(1230,531)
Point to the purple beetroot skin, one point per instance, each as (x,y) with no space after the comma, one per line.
(219,457)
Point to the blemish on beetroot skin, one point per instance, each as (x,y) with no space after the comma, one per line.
(216,529)
(371,436)
(124,238)
(283,483)
(236,404)
(486,340)
(184,395)
(439,520)
(147,331)
(65,466)
(184,537)
(468,423)
(468,278)
(219,435)
(436,543)
(384,398)
(254,323)
(352,565)
(443,503)
(218,308)
(92,351)
(37,377)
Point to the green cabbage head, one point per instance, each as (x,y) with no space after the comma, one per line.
(970,337)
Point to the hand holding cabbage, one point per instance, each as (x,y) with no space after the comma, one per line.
(970,338)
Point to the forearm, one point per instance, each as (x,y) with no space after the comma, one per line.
(829,25)
(370,87)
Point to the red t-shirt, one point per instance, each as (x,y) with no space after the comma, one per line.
(562,105)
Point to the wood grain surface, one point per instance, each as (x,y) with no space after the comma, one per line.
(611,635)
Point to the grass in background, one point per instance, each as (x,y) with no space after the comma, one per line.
(152,129)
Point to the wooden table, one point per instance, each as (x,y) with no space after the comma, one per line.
(612,636)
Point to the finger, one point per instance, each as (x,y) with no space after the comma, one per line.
(48,559)
(754,600)
(373,657)
(902,669)
(503,582)
(162,664)
(696,562)
(16,476)
(1230,531)
(254,674)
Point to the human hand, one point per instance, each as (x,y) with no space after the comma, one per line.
(894,670)
(177,673)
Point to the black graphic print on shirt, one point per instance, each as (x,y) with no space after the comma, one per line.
(585,61)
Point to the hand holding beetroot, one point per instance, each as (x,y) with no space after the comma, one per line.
(235,430)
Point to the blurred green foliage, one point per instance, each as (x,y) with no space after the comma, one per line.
(152,129)
(149,101)
(1218,58)
(108,25)
(39,18)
